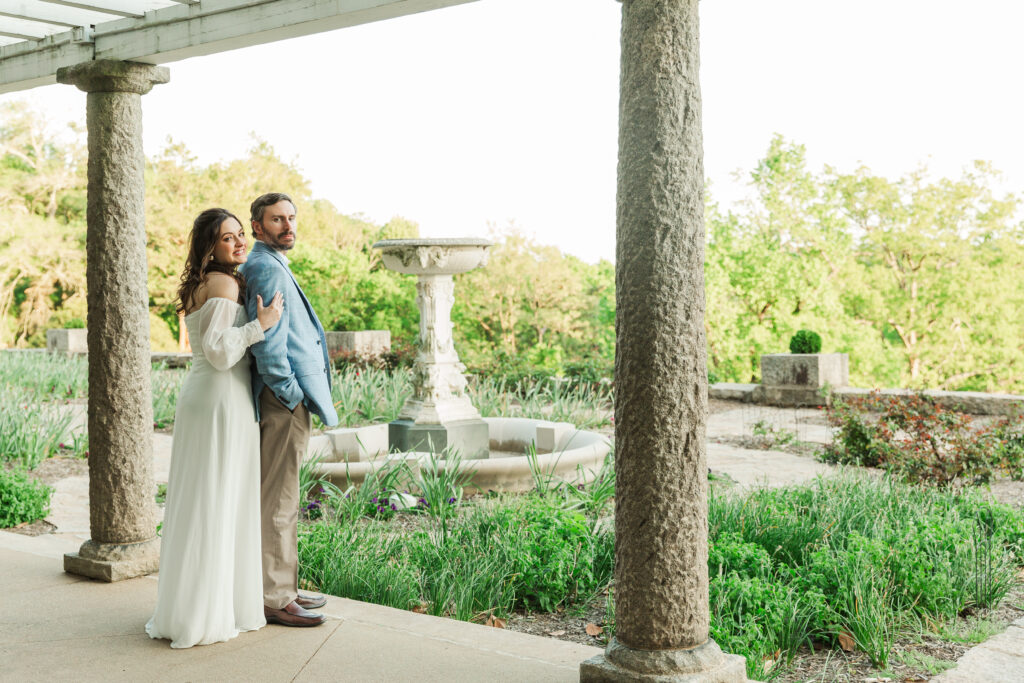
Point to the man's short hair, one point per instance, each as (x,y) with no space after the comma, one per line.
(261,203)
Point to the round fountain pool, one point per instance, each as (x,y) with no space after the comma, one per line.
(563,452)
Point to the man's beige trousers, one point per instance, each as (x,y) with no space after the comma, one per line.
(284,438)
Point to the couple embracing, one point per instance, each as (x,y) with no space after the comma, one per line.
(229,557)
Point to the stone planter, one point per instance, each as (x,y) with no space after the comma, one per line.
(797,379)
(67,341)
(366,344)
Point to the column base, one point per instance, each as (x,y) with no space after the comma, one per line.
(703,664)
(114,561)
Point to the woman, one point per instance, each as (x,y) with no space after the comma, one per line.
(211,584)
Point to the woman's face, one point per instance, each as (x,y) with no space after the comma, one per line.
(230,249)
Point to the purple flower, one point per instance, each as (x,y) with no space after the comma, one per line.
(393,507)
(451,501)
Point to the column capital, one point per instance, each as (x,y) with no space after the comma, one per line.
(111,75)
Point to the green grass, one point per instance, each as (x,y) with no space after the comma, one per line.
(972,630)
(494,556)
(933,666)
(585,406)
(871,557)
(368,395)
(874,558)
(43,376)
(30,432)
(166,385)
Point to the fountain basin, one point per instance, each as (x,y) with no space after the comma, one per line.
(435,256)
(575,456)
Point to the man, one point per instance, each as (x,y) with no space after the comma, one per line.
(291,379)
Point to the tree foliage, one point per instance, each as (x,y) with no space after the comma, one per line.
(916,278)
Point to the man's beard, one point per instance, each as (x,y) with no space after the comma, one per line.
(275,241)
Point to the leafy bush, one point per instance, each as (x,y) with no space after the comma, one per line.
(552,551)
(805,341)
(22,499)
(921,441)
(1008,435)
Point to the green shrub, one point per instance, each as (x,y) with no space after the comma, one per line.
(1008,438)
(920,441)
(851,555)
(22,499)
(551,551)
(805,341)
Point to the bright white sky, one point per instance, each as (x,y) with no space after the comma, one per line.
(506,110)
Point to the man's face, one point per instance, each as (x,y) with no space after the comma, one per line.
(277,229)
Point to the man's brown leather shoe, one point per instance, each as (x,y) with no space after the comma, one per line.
(311,601)
(293,614)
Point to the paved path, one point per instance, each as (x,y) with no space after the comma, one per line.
(59,627)
(1000,659)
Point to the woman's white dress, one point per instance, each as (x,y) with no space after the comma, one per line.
(211,576)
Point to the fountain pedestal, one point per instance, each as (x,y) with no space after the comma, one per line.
(439,415)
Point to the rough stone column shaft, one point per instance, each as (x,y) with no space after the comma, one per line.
(122,513)
(661,537)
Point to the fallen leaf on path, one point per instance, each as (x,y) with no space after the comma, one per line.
(495,622)
(556,633)
(594,630)
(420,608)
(846,641)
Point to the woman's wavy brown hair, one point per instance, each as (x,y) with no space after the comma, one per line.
(200,263)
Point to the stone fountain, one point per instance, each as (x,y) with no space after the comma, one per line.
(439,415)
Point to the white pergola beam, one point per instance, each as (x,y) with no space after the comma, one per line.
(199,28)
(27,65)
(121,8)
(29,29)
(69,17)
(219,25)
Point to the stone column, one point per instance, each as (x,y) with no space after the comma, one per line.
(661,522)
(122,510)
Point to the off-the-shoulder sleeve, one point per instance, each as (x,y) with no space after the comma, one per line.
(223,343)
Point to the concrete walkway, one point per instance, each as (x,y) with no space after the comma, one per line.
(1000,659)
(59,627)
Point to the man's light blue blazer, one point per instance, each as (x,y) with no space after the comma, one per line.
(292,358)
